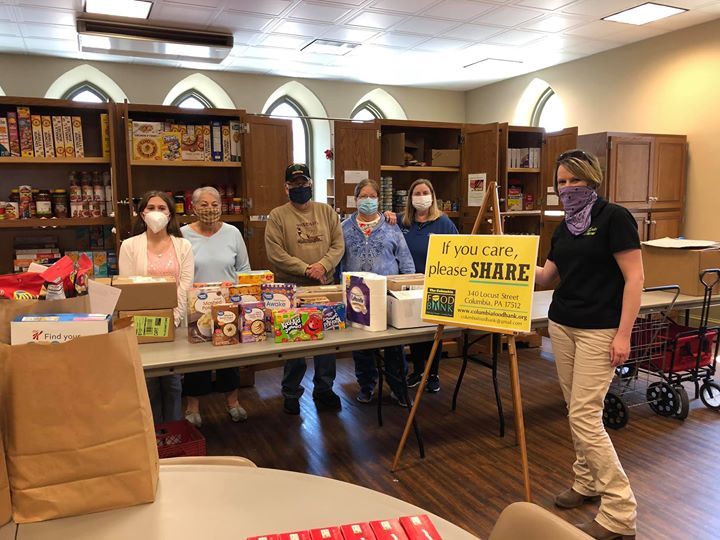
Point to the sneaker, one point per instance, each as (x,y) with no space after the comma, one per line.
(399,400)
(237,413)
(291,405)
(414,379)
(329,401)
(365,396)
(194,418)
(433,384)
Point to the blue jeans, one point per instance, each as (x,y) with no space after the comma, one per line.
(420,353)
(366,370)
(323,378)
(165,398)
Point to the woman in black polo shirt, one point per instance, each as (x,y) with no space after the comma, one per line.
(595,254)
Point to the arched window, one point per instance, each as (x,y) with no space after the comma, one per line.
(192,99)
(367,111)
(86,92)
(302,136)
(548,111)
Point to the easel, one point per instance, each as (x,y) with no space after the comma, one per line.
(490,208)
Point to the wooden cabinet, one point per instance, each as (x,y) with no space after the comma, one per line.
(92,229)
(645,173)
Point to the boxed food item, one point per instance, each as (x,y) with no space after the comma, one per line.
(200,300)
(145,292)
(225,320)
(295,535)
(404,309)
(254,277)
(245,292)
(152,325)
(100,263)
(514,198)
(170,150)
(419,528)
(388,529)
(405,282)
(57,328)
(326,533)
(277,297)
(253,322)
(680,266)
(357,531)
(443,157)
(192,143)
(333,314)
(297,325)
(310,294)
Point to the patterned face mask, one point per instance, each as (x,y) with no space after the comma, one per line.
(208,215)
(578,202)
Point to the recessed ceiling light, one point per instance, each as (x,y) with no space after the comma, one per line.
(644,14)
(137,9)
(329,46)
(493,63)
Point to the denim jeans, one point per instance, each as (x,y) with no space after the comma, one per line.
(165,398)
(323,378)
(366,370)
(420,353)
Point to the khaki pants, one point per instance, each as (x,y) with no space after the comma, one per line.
(582,358)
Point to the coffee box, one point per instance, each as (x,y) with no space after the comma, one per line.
(225,320)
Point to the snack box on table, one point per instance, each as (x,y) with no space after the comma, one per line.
(145,292)
(357,531)
(152,325)
(57,328)
(297,325)
(388,529)
(225,320)
(255,277)
(333,314)
(277,297)
(253,322)
(419,528)
(200,299)
(246,292)
(326,533)
(310,294)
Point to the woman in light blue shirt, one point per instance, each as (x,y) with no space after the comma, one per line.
(220,253)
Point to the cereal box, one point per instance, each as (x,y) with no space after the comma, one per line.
(47,134)
(255,276)
(100,263)
(77,133)
(297,325)
(170,146)
(333,314)
(57,129)
(68,136)
(253,322)
(201,298)
(225,320)
(25,131)
(4,138)
(226,142)
(245,292)
(192,143)
(276,297)
(105,134)
(36,123)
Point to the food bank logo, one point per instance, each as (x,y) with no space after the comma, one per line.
(440,302)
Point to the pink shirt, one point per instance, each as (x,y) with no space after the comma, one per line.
(165,264)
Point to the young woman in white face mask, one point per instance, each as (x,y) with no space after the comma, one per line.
(421,219)
(158,249)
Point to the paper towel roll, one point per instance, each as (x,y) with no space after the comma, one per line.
(365,300)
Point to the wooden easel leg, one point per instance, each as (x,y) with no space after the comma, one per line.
(517,408)
(418,396)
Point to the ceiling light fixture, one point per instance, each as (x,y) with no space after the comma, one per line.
(140,40)
(493,62)
(644,14)
(329,46)
(137,9)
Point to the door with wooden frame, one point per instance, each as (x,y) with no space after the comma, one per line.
(662,224)
(357,148)
(667,187)
(479,154)
(630,171)
(643,223)
(554,144)
(266,153)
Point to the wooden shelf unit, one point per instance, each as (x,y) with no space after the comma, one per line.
(54,161)
(199,164)
(44,223)
(413,168)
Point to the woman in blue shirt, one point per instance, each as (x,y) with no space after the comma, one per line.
(374,245)
(421,219)
(220,253)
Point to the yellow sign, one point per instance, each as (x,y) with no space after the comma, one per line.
(480,281)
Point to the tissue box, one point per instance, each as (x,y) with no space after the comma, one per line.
(297,325)
(57,328)
(145,292)
(679,266)
(152,325)
(200,300)
(253,322)
(333,314)
(405,282)
(404,309)
(255,277)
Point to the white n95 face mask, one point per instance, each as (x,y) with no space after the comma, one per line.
(422,202)
(156,221)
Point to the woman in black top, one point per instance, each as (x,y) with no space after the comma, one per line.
(595,255)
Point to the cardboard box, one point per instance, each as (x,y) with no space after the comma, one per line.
(443,157)
(145,292)
(297,535)
(297,325)
(393,147)
(404,309)
(319,293)
(388,529)
(57,328)
(326,533)
(405,282)
(226,321)
(679,266)
(198,315)
(333,314)
(152,325)
(419,528)
(357,531)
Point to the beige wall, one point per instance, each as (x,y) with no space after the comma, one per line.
(668,84)
(32,75)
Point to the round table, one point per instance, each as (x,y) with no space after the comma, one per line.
(218,501)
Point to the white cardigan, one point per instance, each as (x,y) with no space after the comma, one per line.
(133,262)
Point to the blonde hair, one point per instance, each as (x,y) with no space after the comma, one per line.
(433,212)
(582,165)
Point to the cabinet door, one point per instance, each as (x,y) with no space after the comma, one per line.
(631,166)
(554,144)
(668,179)
(357,148)
(664,224)
(643,224)
(479,154)
(549,224)
(266,153)
(121,171)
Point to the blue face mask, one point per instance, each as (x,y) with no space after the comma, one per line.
(368,206)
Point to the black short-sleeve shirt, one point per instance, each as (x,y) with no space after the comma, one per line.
(591,284)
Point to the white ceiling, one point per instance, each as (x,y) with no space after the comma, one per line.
(423,43)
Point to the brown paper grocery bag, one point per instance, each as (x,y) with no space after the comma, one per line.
(9,309)
(5,508)
(79,431)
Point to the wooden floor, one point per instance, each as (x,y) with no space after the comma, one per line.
(470,474)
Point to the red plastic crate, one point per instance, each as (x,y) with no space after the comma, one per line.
(179,438)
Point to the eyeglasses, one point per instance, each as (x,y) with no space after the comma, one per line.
(296,184)
(577,154)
